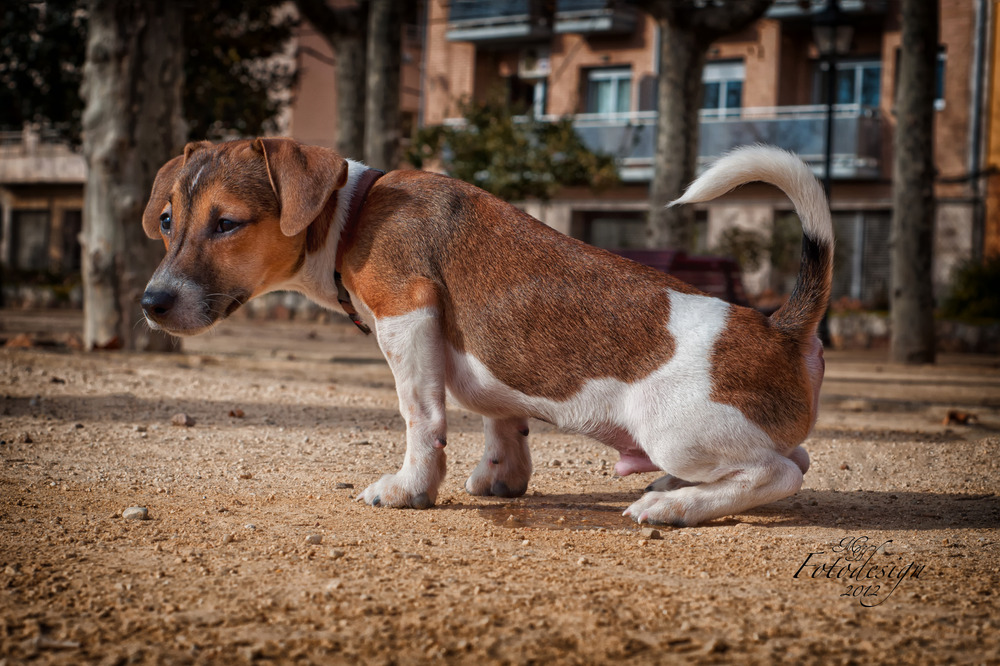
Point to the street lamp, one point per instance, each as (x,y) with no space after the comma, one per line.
(833,36)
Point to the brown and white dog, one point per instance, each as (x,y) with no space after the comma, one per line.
(471,297)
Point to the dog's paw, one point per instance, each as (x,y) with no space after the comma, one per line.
(661,508)
(498,480)
(393,491)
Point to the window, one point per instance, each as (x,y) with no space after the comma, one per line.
(616,230)
(857,82)
(609,90)
(861,263)
(31,239)
(527,95)
(723,88)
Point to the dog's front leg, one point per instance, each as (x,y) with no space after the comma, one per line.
(414,346)
(506,464)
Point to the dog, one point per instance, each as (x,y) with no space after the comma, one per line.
(469,296)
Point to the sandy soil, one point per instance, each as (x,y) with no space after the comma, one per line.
(291,421)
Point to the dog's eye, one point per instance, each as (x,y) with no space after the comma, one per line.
(165,223)
(225,226)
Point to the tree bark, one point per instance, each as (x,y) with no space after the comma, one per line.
(914,207)
(687,29)
(382,96)
(345,30)
(679,96)
(132,124)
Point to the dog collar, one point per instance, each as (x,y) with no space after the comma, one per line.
(365,182)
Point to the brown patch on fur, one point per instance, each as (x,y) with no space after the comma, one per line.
(302,177)
(233,184)
(759,369)
(545,313)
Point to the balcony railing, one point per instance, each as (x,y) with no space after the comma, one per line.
(590,17)
(795,9)
(857,137)
(496,20)
(32,157)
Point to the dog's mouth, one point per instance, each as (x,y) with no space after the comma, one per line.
(188,312)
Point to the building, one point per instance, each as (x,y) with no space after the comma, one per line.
(596,60)
(41,203)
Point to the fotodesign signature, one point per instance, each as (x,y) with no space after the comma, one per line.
(873,576)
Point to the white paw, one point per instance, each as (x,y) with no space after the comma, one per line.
(398,492)
(663,508)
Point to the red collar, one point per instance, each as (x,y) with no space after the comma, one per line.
(365,182)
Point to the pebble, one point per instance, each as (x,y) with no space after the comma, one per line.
(250,526)
(360,442)
(182,419)
(245,475)
(650,533)
(344,486)
(229,538)
(136,513)
(314,539)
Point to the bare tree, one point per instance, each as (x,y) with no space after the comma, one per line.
(687,29)
(913,210)
(345,30)
(132,124)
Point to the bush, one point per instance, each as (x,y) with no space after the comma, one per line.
(975,291)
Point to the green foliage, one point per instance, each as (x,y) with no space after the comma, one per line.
(513,157)
(232,87)
(747,246)
(42,48)
(975,291)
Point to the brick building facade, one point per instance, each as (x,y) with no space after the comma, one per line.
(596,61)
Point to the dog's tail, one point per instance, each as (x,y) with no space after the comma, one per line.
(807,304)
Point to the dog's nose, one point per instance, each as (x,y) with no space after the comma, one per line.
(156,304)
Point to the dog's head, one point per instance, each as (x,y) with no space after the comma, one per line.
(235,219)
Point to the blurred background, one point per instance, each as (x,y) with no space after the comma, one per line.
(588,114)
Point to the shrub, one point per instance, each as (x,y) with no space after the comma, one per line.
(975,291)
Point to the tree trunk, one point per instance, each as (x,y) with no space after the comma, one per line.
(346,31)
(912,241)
(382,95)
(132,124)
(687,29)
(681,61)
(351,67)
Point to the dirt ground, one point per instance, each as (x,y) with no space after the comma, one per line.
(889,554)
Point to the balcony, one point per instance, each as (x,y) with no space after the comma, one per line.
(497,21)
(595,17)
(30,158)
(795,9)
(857,137)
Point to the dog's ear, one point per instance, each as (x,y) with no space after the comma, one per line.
(303,178)
(160,195)
(162,185)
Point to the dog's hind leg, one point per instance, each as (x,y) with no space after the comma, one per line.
(414,346)
(742,487)
(506,464)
